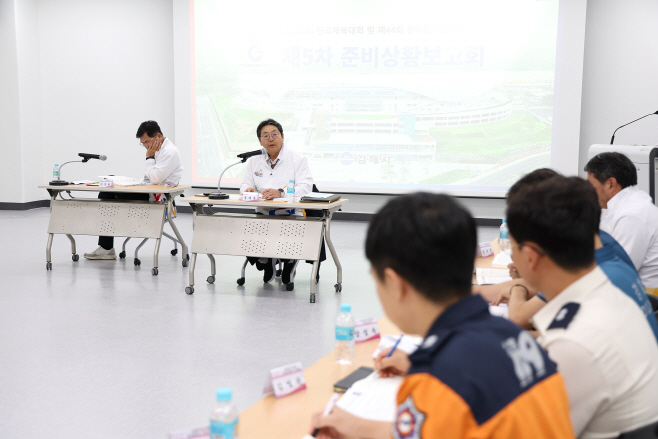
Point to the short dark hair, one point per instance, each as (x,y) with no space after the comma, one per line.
(612,164)
(150,128)
(534,177)
(429,240)
(561,215)
(266,123)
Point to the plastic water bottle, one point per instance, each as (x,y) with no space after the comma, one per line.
(290,191)
(56,172)
(345,335)
(224,419)
(503,240)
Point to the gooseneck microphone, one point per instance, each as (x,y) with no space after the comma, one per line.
(85,159)
(86,156)
(244,156)
(613,134)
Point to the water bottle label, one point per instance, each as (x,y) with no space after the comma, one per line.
(504,234)
(344,333)
(223,430)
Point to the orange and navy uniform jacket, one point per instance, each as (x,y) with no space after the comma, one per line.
(479,376)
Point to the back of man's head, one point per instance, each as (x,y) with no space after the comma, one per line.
(612,164)
(427,239)
(534,177)
(561,215)
(150,128)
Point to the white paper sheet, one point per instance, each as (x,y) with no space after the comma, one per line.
(372,398)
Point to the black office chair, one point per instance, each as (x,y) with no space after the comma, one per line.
(290,286)
(646,432)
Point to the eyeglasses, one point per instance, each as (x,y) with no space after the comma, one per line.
(145,144)
(539,252)
(267,136)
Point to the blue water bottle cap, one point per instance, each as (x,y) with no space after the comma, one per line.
(504,220)
(345,307)
(224,394)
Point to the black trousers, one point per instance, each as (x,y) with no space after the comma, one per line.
(107,242)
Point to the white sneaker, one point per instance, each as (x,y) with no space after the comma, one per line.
(101,253)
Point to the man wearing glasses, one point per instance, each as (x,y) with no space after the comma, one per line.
(163,166)
(270,175)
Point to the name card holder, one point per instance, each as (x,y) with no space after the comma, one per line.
(366,329)
(106,183)
(285,380)
(250,196)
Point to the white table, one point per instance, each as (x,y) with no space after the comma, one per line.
(130,218)
(262,236)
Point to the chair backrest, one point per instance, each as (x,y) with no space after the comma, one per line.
(646,432)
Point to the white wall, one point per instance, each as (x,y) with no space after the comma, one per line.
(84,75)
(619,73)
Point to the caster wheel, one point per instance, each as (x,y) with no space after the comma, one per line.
(154,271)
(338,287)
(185,262)
(312,298)
(122,255)
(241,281)
(174,252)
(210,279)
(75,258)
(137,262)
(189,290)
(49,265)
(278,273)
(290,286)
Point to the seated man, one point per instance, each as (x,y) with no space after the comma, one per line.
(597,335)
(630,215)
(474,375)
(163,166)
(270,175)
(524,302)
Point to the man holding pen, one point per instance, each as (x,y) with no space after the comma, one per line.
(474,375)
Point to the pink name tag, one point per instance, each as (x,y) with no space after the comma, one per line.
(106,183)
(484,250)
(366,329)
(285,380)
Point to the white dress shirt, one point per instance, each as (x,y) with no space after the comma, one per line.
(289,165)
(632,219)
(166,168)
(606,353)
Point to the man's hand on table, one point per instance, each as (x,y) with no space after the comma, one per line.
(513,272)
(269,194)
(154,146)
(250,189)
(396,364)
(340,424)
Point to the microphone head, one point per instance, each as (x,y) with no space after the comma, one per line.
(102,157)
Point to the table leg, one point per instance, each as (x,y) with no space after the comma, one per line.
(170,210)
(74,256)
(190,289)
(154,270)
(49,264)
(211,278)
(314,274)
(339,268)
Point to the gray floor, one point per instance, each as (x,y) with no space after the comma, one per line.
(104,349)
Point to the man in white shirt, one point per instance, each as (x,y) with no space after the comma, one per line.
(597,335)
(629,214)
(270,174)
(163,166)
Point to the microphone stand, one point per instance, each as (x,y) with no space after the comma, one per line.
(60,182)
(613,134)
(220,195)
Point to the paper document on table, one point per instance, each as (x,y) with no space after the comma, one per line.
(491,276)
(372,398)
(499,310)
(408,344)
(234,196)
(120,180)
(502,260)
(84,181)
